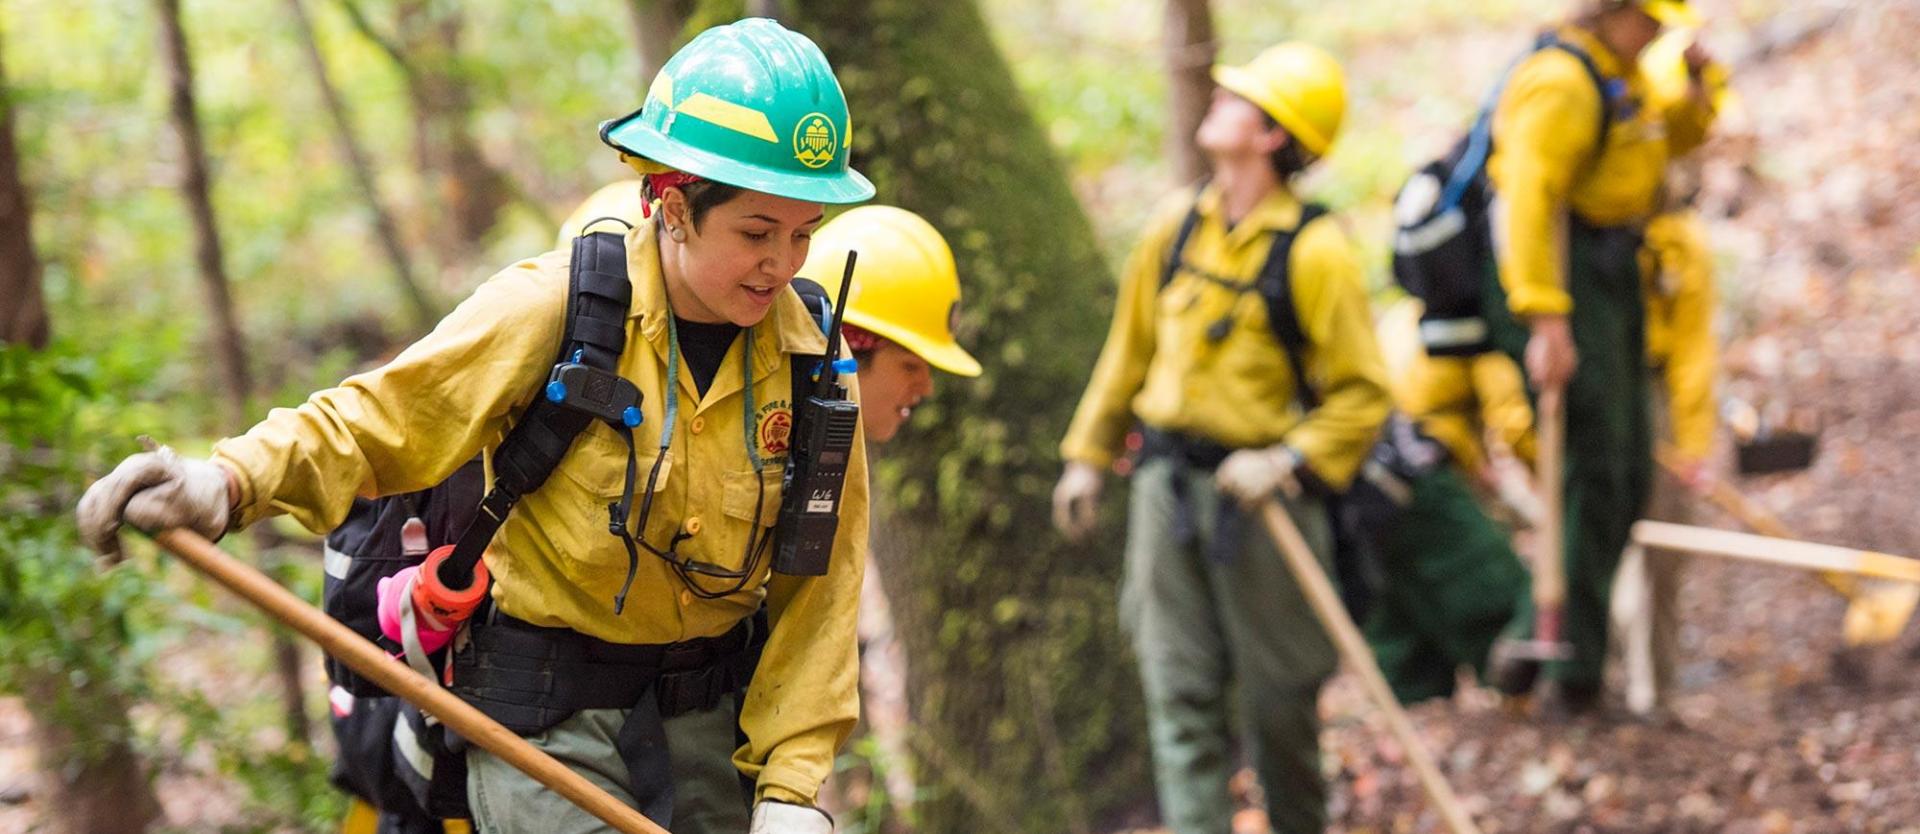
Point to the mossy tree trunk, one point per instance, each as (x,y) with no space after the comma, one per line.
(1026,706)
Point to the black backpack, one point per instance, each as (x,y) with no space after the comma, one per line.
(1443,241)
(389,750)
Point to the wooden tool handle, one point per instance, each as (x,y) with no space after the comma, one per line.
(1359,657)
(1775,551)
(1757,518)
(368,659)
(1549,563)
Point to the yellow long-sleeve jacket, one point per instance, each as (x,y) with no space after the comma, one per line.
(1680,341)
(410,423)
(1458,400)
(1546,128)
(1159,365)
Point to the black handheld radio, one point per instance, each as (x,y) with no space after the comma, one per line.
(825,423)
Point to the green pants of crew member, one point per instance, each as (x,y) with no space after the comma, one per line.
(709,797)
(1609,452)
(1203,628)
(1451,583)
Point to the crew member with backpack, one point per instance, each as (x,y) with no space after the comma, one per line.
(909,290)
(672,384)
(1241,340)
(1574,153)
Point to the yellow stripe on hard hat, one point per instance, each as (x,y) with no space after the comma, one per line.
(734,117)
(716,111)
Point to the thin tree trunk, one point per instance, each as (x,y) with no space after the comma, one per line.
(105,791)
(231,346)
(1187,44)
(656,23)
(23,320)
(424,313)
(426,53)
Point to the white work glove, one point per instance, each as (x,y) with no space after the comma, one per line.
(770,817)
(1076,499)
(154,491)
(1252,476)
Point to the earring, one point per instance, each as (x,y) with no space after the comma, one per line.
(678,234)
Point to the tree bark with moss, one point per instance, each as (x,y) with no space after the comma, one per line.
(1026,707)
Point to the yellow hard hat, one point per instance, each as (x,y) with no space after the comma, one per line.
(1299,85)
(1674,14)
(906,288)
(620,200)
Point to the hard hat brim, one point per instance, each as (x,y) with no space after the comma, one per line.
(630,136)
(1240,82)
(947,355)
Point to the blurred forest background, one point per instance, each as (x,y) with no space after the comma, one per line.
(236,203)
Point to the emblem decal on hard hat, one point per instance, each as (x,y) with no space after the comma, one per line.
(815,140)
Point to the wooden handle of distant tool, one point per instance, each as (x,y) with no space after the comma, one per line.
(1775,551)
(1549,566)
(1754,516)
(1353,647)
(373,663)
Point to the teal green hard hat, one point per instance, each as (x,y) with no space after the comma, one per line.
(748,104)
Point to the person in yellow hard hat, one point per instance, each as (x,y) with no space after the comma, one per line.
(1242,342)
(900,312)
(618,602)
(1579,153)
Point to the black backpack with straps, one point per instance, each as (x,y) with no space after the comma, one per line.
(1443,240)
(388,748)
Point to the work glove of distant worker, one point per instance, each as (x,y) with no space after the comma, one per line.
(154,491)
(1076,499)
(771,817)
(1252,476)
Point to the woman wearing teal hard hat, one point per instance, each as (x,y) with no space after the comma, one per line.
(681,656)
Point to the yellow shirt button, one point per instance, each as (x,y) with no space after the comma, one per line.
(686,598)
(694,526)
(699,425)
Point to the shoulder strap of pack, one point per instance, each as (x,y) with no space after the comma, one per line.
(1180,237)
(599,296)
(820,309)
(1552,41)
(1479,144)
(1276,288)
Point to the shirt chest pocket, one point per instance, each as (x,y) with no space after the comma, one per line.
(592,476)
(742,531)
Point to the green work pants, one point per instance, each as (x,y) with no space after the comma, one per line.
(1451,583)
(708,795)
(1204,628)
(1609,452)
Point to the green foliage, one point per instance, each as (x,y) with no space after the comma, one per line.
(66,636)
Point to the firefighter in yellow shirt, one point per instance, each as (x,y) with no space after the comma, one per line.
(742,141)
(1682,359)
(1449,576)
(1232,296)
(1576,169)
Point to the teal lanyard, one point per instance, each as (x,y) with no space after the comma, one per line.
(746,393)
